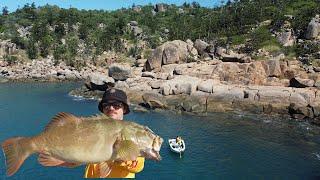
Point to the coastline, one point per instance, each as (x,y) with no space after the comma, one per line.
(203,103)
(202,87)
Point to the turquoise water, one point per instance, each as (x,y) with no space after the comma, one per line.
(220,146)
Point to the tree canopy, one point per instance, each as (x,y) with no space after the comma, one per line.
(104,30)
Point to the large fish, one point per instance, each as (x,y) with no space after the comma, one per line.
(82,140)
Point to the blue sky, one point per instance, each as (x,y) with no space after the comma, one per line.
(99,4)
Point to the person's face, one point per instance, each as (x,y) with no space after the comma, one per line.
(114,110)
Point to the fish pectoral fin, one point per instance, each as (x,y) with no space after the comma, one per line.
(104,169)
(126,150)
(45,159)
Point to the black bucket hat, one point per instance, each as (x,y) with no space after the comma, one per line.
(114,95)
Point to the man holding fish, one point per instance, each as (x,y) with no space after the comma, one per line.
(110,147)
(114,103)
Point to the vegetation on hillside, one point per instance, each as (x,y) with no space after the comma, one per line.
(61,32)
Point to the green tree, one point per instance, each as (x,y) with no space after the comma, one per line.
(59,53)
(72,42)
(32,49)
(59,30)
(83,31)
(44,45)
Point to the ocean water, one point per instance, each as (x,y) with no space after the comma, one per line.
(218,146)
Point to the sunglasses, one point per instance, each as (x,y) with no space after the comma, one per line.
(115,105)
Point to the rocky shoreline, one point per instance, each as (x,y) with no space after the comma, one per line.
(201,88)
(223,81)
(45,70)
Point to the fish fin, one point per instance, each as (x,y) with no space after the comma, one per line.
(104,169)
(61,119)
(16,150)
(45,159)
(97,117)
(126,150)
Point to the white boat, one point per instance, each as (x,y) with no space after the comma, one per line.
(176,147)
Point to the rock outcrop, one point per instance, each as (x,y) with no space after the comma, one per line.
(7,48)
(120,71)
(313,28)
(168,53)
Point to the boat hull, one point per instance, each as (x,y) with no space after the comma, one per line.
(175,148)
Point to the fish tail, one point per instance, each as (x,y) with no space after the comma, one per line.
(16,150)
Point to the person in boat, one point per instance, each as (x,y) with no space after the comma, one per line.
(114,103)
(178,141)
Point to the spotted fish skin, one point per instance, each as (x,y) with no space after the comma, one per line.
(82,140)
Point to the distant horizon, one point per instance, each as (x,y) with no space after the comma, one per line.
(100,4)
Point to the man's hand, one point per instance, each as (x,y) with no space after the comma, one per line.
(132,164)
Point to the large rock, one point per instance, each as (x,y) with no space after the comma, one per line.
(121,85)
(148,74)
(156,84)
(120,71)
(174,52)
(207,85)
(140,62)
(201,46)
(7,48)
(154,100)
(139,83)
(168,53)
(272,68)
(181,69)
(220,51)
(99,81)
(313,28)
(226,93)
(192,50)
(299,112)
(160,7)
(180,85)
(227,71)
(196,103)
(301,83)
(298,99)
(273,95)
(235,57)
(286,38)
(169,68)
(256,73)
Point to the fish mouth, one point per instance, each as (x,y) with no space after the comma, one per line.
(157,155)
(151,154)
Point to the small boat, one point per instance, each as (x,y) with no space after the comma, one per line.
(176,147)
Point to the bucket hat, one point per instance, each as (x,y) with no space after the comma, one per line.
(114,95)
